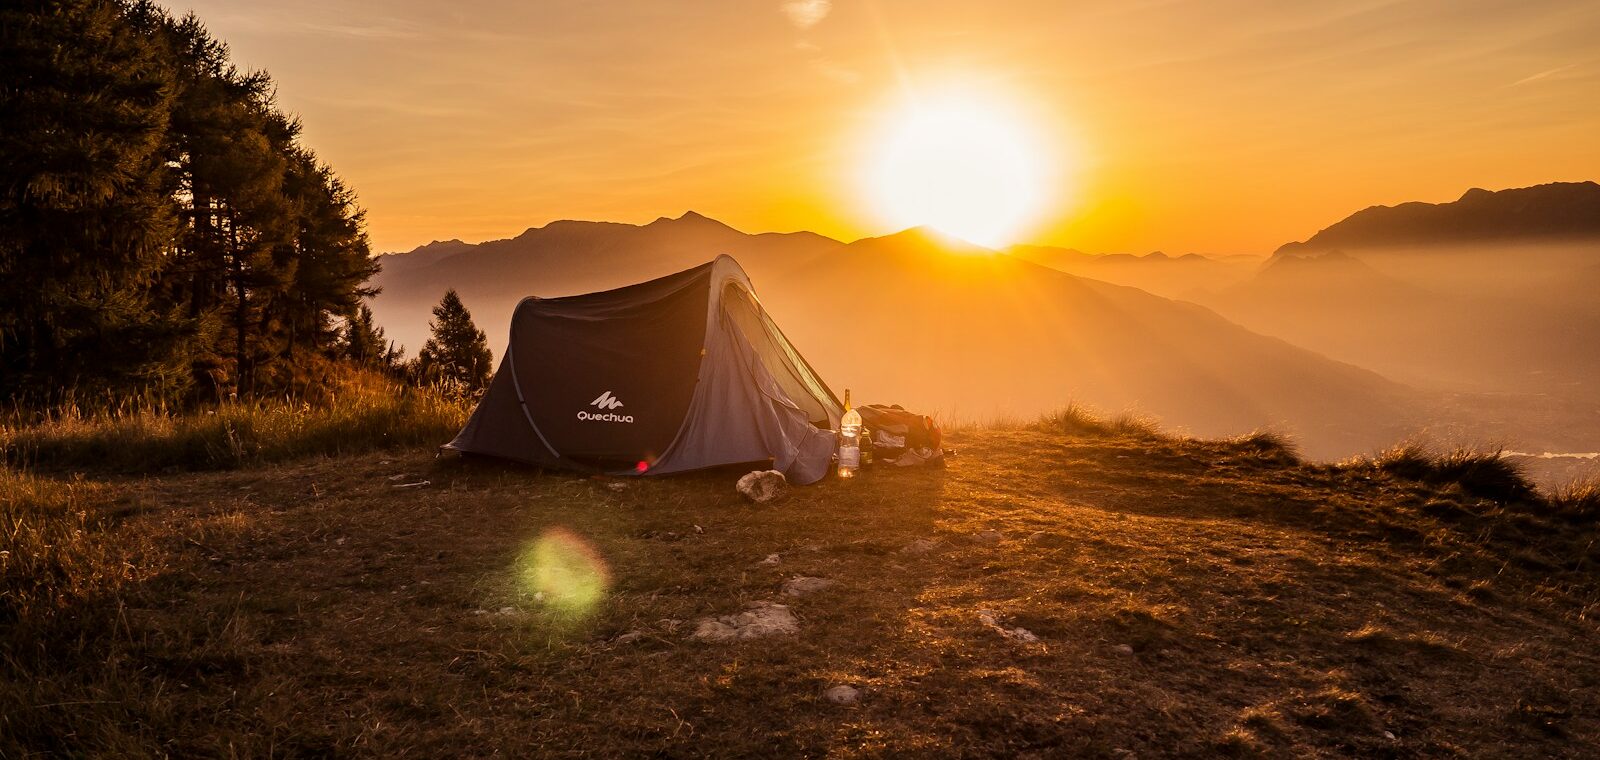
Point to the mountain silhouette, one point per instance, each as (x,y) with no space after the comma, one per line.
(1549,212)
(937,324)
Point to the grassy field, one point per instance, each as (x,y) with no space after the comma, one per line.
(1186,598)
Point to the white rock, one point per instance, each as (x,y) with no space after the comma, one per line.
(1019,634)
(801,585)
(757,620)
(1122,649)
(920,546)
(992,620)
(763,486)
(842,695)
(617,485)
(771,560)
(508,610)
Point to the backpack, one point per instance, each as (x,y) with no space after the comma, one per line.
(902,438)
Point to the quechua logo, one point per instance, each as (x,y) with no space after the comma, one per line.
(607,404)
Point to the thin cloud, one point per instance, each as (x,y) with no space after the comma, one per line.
(1543,74)
(365,32)
(805,14)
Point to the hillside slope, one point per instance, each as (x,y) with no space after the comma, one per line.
(921,320)
(1542,213)
(1188,599)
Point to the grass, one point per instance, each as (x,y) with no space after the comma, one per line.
(1269,608)
(358,417)
(54,547)
(1075,419)
(1482,473)
(1577,501)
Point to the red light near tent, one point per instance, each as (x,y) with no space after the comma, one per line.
(641,467)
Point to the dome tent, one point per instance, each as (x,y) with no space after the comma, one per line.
(678,373)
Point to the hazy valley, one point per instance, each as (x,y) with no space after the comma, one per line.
(1348,350)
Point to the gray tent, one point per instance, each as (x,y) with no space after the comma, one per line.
(679,373)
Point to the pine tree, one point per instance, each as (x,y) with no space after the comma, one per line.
(457,356)
(365,344)
(160,223)
(332,259)
(85,217)
(228,146)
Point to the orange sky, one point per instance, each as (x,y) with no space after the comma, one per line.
(1224,127)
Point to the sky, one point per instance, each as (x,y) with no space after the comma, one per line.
(1221,127)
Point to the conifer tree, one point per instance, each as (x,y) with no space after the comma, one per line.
(85,220)
(160,223)
(457,356)
(365,344)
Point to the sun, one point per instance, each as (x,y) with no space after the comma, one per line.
(966,167)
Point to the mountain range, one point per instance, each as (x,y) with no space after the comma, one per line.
(1556,211)
(935,324)
(1208,344)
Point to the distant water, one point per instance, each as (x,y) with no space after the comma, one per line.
(1553,455)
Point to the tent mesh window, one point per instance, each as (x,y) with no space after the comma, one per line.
(791,372)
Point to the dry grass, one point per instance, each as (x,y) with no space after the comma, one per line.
(359,416)
(1271,608)
(1078,420)
(1482,473)
(1578,501)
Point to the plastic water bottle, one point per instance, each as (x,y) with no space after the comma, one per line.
(849,440)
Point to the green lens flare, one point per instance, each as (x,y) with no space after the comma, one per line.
(565,571)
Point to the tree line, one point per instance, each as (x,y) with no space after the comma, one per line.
(163,231)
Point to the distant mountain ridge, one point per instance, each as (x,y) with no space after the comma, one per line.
(935,323)
(1553,211)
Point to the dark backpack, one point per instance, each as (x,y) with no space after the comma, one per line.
(899,437)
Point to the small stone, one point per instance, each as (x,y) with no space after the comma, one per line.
(763,486)
(842,695)
(617,485)
(801,585)
(1123,649)
(1019,634)
(992,620)
(508,610)
(699,530)
(757,620)
(770,561)
(920,546)
(1389,735)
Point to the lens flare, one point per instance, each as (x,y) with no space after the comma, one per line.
(566,571)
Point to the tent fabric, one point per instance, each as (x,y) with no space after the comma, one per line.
(679,373)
